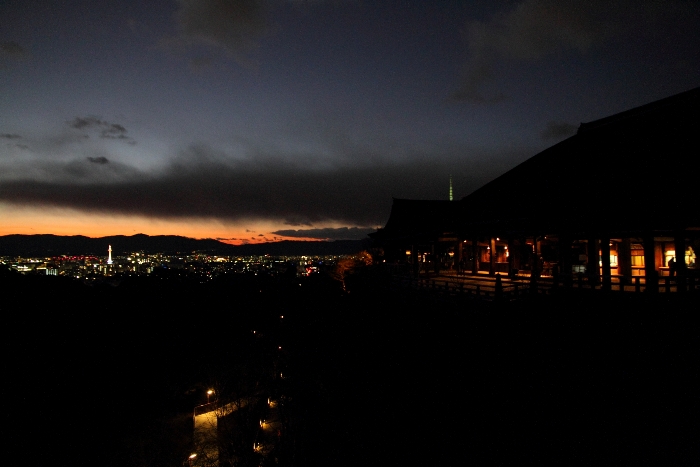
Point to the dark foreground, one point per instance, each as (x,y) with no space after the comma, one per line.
(108,375)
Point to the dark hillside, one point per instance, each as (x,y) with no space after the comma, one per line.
(108,375)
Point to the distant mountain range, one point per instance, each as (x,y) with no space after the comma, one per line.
(56,245)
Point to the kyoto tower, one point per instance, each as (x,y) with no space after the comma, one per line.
(109,259)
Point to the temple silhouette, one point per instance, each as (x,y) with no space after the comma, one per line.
(615,204)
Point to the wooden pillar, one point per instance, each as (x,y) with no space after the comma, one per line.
(651,278)
(659,255)
(564,254)
(605,259)
(535,265)
(414,260)
(459,256)
(475,253)
(679,244)
(492,256)
(433,256)
(517,253)
(624,261)
(510,255)
(592,267)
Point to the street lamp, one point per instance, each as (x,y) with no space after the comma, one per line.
(209,393)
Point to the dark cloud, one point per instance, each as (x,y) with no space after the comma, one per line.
(98,160)
(105,129)
(113,130)
(532,30)
(231,25)
(11,50)
(273,189)
(342,233)
(200,62)
(558,130)
(83,171)
(85,122)
(471,88)
(10,136)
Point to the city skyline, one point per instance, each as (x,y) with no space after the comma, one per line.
(267,120)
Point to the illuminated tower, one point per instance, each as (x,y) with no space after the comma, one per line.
(450,187)
(109,259)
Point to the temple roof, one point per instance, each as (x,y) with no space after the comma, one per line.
(420,218)
(634,170)
(638,170)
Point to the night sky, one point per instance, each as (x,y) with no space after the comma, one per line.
(257,120)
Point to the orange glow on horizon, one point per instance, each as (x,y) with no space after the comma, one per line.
(57,221)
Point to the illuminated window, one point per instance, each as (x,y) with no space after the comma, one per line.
(668,255)
(637,255)
(613,260)
(690,256)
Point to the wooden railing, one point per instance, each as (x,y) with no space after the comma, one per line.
(487,287)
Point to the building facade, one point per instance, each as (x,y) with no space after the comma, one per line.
(614,202)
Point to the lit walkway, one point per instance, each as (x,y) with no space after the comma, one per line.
(270,430)
(206,419)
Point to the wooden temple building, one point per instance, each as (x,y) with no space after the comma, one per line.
(619,200)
